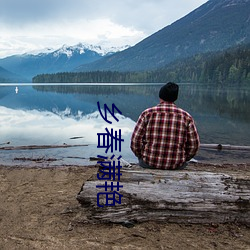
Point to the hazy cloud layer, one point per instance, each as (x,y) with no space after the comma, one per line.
(33,24)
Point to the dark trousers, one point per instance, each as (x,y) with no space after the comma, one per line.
(145,165)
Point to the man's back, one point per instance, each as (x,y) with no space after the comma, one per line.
(165,136)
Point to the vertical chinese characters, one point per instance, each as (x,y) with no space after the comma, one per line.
(110,167)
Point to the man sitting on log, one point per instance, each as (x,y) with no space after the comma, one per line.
(165,136)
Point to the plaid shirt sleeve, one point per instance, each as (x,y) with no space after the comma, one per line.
(138,136)
(193,141)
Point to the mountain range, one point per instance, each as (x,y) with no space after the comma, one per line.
(64,59)
(214,26)
(7,76)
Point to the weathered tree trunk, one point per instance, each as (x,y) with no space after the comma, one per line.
(29,147)
(224,147)
(171,196)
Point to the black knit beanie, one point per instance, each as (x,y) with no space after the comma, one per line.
(169,92)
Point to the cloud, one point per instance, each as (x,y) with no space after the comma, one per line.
(30,24)
(33,127)
(38,36)
(27,127)
(22,12)
(142,14)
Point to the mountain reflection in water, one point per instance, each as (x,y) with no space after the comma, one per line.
(52,114)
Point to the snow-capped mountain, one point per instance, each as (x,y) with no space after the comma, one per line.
(81,48)
(63,59)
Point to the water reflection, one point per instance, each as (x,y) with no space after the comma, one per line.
(227,101)
(51,114)
(230,102)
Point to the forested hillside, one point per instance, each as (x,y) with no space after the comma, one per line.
(214,26)
(230,66)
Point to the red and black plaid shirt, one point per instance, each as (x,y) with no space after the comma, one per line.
(165,136)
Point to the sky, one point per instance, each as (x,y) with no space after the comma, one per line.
(33,25)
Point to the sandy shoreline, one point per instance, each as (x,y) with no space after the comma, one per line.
(38,210)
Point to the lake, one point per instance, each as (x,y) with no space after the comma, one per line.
(60,114)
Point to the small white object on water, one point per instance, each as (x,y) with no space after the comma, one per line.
(16,90)
(193,160)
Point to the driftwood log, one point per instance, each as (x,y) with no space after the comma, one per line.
(171,196)
(29,147)
(224,147)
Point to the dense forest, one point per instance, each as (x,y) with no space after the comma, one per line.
(231,66)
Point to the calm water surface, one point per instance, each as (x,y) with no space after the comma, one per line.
(54,114)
